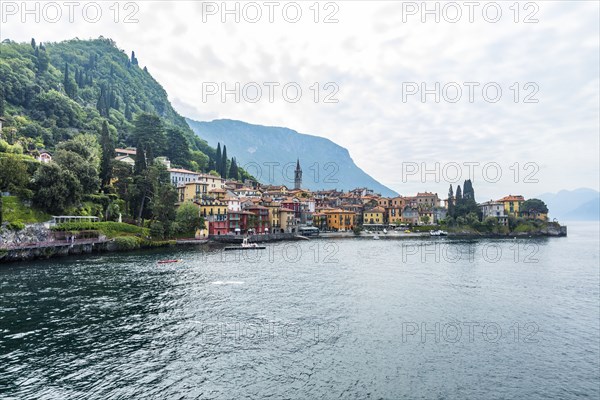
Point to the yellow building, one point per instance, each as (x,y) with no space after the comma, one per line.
(274,221)
(374,216)
(211,207)
(287,219)
(512,204)
(217,193)
(394,215)
(192,191)
(383,202)
(340,220)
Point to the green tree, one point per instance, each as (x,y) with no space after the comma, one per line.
(199,161)
(534,206)
(163,196)
(1,100)
(188,218)
(223,170)
(85,173)
(43,61)
(69,84)
(33,45)
(233,170)
(108,155)
(1,209)
(217,166)
(450,204)
(178,148)
(55,189)
(128,115)
(150,136)
(89,142)
(123,183)
(468,191)
(14,176)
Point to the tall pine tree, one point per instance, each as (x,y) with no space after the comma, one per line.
(458,201)
(450,202)
(108,154)
(218,159)
(223,170)
(1,100)
(233,170)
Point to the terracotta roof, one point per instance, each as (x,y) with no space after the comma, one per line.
(125,151)
(510,197)
(256,206)
(183,171)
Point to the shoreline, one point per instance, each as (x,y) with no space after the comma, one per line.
(47,250)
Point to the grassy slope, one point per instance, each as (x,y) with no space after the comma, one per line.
(15,210)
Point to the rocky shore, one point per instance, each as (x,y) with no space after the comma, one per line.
(36,241)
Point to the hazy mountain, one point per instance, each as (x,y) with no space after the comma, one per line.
(325,164)
(578,204)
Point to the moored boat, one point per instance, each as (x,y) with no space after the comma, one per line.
(246,245)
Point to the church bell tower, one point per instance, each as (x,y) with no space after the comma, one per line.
(298,176)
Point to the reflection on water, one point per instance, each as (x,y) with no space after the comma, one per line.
(345,318)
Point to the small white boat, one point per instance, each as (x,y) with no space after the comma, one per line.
(246,245)
(438,233)
(385,231)
(376,237)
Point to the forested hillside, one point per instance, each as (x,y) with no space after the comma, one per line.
(79,100)
(55,90)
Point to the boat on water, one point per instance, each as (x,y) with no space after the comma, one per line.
(438,233)
(376,237)
(246,245)
(168,261)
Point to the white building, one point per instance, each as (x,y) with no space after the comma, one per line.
(44,157)
(213,182)
(494,209)
(182,176)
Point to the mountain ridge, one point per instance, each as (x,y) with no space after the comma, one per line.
(326,164)
(579,204)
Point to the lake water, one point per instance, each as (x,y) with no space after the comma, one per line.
(332,319)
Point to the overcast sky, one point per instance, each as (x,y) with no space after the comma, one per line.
(377,54)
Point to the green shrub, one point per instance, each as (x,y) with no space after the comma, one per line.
(110,229)
(16,226)
(127,242)
(157,230)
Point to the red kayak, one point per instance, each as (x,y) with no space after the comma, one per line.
(168,261)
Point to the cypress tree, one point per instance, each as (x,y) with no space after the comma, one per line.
(224,163)
(450,202)
(468,191)
(218,159)
(1,100)
(108,154)
(140,160)
(458,196)
(66,80)
(233,172)
(128,115)
(33,43)
(134,60)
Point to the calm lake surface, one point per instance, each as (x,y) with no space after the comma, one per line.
(334,319)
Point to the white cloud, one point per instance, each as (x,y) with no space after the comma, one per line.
(369,53)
